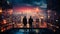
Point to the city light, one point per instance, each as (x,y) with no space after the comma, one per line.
(9,27)
(36,9)
(10,11)
(44,25)
(4,21)
(42,17)
(49,11)
(29,17)
(20,25)
(27,25)
(27,10)
(54,30)
(56,20)
(0,10)
(48,17)
(3,29)
(37,31)
(57,26)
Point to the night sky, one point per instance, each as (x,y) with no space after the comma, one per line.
(49,4)
(54,5)
(40,3)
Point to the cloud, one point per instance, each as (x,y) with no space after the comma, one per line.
(28,5)
(40,3)
(43,5)
(36,3)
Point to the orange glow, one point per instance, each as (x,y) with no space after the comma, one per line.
(42,17)
(44,25)
(37,9)
(4,21)
(10,11)
(3,29)
(0,10)
(20,25)
(27,25)
(27,10)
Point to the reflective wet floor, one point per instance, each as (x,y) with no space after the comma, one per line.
(29,31)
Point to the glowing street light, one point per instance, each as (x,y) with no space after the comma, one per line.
(48,17)
(42,17)
(3,29)
(0,10)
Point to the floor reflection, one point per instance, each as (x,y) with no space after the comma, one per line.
(28,31)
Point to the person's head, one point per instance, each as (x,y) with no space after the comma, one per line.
(24,16)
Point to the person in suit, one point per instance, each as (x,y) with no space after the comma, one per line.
(24,20)
(30,21)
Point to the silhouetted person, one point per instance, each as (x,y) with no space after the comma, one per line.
(24,20)
(30,21)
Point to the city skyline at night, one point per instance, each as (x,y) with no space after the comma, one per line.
(29,17)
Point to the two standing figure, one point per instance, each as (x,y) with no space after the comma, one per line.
(25,21)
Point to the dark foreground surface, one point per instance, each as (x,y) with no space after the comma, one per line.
(33,31)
